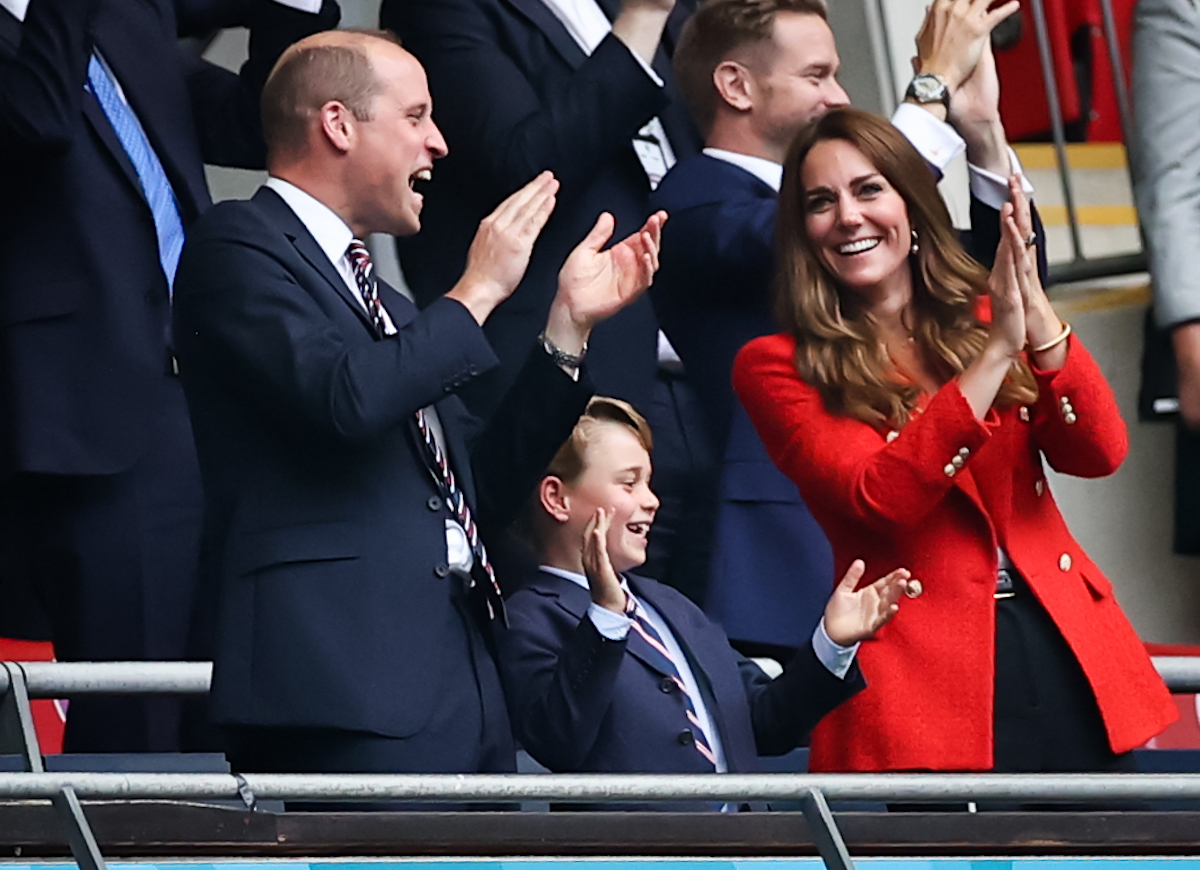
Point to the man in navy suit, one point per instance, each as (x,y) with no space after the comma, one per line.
(105,124)
(345,481)
(754,73)
(608,671)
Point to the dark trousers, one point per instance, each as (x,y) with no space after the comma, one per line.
(112,562)
(686,481)
(1046,718)
(467,732)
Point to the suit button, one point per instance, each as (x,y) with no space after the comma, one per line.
(434,503)
(950,470)
(1069,418)
(1039,487)
(472,370)
(686,738)
(667,685)
(1064,562)
(441,569)
(957,462)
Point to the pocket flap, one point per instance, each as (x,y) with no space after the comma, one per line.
(1097,584)
(313,542)
(40,302)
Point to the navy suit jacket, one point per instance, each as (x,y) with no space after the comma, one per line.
(514,94)
(84,312)
(772,568)
(334,606)
(580,702)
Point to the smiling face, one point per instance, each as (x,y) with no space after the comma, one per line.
(397,146)
(615,476)
(856,222)
(799,84)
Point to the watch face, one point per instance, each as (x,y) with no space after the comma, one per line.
(928,88)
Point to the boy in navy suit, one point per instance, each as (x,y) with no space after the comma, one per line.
(608,671)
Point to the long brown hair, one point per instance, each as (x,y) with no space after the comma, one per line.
(838,348)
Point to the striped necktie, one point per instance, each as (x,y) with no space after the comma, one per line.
(364,277)
(667,665)
(368,288)
(156,186)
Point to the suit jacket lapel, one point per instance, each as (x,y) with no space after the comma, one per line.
(547,22)
(308,248)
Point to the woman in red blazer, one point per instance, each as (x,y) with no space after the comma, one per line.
(914,422)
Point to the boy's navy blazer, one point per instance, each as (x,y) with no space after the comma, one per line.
(580,702)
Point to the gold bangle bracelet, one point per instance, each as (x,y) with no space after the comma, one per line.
(1054,342)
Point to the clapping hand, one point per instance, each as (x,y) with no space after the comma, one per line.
(853,614)
(500,251)
(1010,279)
(602,579)
(953,35)
(594,283)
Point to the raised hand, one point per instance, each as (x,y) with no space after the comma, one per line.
(853,614)
(603,582)
(953,35)
(500,251)
(594,284)
(1009,287)
(1042,325)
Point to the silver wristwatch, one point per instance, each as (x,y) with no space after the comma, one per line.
(928,88)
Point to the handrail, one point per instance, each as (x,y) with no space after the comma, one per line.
(607,788)
(68,679)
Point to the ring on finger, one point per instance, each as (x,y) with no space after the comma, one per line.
(1031,240)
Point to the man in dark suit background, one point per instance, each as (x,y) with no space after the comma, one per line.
(344,477)
(754,72)
(104,128)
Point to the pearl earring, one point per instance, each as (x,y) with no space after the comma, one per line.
(915,243)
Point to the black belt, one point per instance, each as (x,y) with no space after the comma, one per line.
(1005,588)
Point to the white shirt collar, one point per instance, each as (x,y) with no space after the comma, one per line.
(320,220)
(770,172)
(16,7)
(577,579)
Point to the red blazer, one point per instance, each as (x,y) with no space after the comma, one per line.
(900,499)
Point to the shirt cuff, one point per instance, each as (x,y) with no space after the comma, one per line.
(837,659)
(936,140)
(612,626)
(313,6)
(992,190)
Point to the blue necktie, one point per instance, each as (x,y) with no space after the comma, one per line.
(155,184)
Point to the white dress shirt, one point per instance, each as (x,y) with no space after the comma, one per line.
(333,237)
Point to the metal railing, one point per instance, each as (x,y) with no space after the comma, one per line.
(1079,267)
(20,682)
